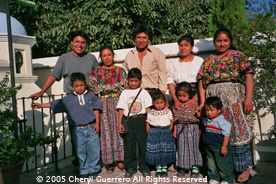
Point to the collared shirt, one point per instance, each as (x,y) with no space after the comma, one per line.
(215,130)
(154,74)
(79,108)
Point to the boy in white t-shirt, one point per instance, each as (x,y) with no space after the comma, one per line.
(136,123)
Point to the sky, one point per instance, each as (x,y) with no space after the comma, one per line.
(264,1)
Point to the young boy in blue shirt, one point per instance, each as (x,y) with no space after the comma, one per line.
(82,109)
(216,138)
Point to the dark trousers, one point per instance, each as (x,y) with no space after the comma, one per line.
(137,134)
(219,166)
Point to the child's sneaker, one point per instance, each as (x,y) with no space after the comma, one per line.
(195,172)
(182,172)
(213,182)
(164,173)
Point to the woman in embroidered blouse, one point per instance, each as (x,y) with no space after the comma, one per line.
(228,75)
(107,82)
(184,69)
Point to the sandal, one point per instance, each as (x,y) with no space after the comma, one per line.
(172,169)
(110,169)
(121,167)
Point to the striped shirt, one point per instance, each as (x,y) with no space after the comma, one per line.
(215,130)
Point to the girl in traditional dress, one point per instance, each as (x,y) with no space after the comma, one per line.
(186,131)
(107,82)
(160,149)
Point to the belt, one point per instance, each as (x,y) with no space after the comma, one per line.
(185,124)
(139,116)
(108,95)
(88,125)
(151,89)
(160,127)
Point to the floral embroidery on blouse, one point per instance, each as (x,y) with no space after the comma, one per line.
(231,67)
(159,118)
(159,113)
(186,115)
(106,81)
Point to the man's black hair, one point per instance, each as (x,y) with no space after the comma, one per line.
(79,33)
(134,73)
(78,76)
(214,101)
(142,28)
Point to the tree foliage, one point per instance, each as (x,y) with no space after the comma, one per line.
(228,14)
(110,21)
(259,45)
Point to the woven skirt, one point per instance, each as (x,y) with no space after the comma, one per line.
(160,146)
(242,157)
(112,148)
(188,154)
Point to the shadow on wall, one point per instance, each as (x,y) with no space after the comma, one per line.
(264,106)
(48,124)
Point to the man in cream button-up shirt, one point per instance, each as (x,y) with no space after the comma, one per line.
(150,60)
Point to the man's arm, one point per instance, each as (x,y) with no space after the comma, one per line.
(162,70)
(49,82)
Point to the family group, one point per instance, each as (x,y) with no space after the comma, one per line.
(116,112)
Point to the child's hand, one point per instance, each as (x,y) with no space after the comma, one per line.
(200,111)
(147,127)
(121,128)
(171,127)
(97,128)
(35,105)
(223,150)
(174,133)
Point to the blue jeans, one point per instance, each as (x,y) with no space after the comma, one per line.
(87,145)
(219,166)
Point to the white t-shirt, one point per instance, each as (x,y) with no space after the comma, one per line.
(141,103)
(159,118)
(183,71)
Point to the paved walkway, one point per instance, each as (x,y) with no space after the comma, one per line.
(263,173)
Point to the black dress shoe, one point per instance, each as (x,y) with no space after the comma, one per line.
(93,175)
(146,173)
(129,173)
(182,172)
(157,174)
(83,176)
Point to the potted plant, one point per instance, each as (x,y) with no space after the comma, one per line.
(15,146)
